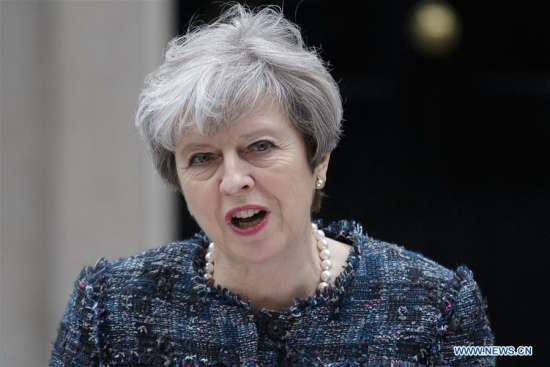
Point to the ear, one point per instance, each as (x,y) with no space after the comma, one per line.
(321,169)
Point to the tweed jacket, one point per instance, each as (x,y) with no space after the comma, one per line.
(388,307)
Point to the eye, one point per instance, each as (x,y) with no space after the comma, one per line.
(262,146)
(200,159)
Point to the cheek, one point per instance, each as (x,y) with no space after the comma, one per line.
(292,184)
(197,197)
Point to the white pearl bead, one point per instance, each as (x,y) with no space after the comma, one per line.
(319,184)
(322,285)
(209,268)
(322,244)
(324,254)
(208,257)
(318,234)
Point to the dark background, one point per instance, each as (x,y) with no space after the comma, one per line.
(449,156)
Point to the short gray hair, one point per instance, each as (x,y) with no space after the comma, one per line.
(218,72)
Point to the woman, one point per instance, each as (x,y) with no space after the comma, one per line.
(242,118)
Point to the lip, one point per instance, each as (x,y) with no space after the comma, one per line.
(247,231)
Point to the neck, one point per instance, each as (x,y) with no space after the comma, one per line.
(273,284)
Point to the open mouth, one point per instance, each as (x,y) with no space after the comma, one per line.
(247,218)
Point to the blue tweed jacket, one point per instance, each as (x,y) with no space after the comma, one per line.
(389,307)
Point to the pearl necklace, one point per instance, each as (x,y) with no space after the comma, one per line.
(322,246)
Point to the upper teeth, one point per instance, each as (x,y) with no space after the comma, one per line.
(245,213)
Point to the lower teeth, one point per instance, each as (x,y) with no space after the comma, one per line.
(248,224)
(250,221)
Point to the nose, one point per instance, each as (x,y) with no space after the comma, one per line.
(236,176)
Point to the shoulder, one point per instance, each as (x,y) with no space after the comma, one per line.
(413,287)
(395,263)
(175,254)
(397,269)
(153,269)
(380,260)
(111,300)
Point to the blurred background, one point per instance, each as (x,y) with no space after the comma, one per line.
(445,149)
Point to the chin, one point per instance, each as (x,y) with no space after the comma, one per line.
(258,256)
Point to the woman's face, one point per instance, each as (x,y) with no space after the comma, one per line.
(250,187)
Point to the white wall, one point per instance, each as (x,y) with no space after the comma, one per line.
(76,182)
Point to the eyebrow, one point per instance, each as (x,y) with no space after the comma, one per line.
(192,145)
(260,132)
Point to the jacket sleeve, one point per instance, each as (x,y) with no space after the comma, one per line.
(78,340)
(463,322)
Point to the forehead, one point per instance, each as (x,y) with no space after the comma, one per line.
(263,119)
